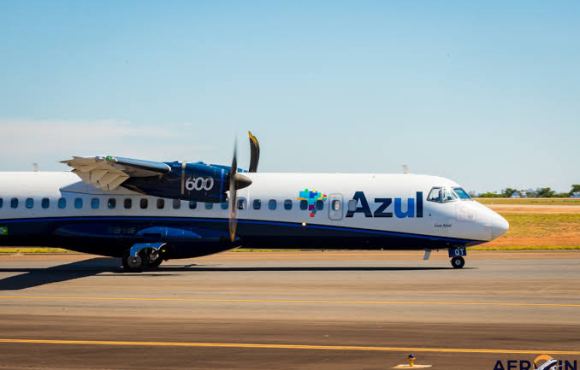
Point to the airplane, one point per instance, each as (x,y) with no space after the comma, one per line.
(147,212)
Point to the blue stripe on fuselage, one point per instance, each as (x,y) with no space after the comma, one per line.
(192,222)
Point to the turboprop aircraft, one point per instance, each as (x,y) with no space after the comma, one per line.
(146,212)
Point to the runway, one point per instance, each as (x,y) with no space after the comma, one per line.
(289,310)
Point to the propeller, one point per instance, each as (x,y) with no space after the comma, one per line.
(233,221)
(238,181)
(255,152)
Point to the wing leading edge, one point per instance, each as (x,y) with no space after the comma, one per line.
(108,173)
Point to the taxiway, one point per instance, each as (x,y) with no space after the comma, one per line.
(288,310)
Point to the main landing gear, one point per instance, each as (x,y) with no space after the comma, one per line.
(457,254)
(143,256)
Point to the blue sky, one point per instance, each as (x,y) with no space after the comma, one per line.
(486,93)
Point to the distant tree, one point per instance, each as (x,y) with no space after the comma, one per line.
(545,192)
(489,194)
(575,189)
(508,192)
(531,193)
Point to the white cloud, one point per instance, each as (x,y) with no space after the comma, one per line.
(46,142)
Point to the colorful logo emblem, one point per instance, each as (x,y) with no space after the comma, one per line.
(311,197)
(3,230)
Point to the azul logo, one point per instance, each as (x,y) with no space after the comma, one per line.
(384,206)
(311,197)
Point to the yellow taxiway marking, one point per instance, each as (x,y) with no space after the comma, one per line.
(283,346)
(293,301)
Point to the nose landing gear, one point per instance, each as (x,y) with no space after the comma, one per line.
(458,262)
(456,254)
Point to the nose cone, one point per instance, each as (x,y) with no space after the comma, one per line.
(242,181)
(498,226)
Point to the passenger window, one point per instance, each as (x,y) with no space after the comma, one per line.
(160,203)
(336,205)
(95,203)
(29,203)
(78,203)
(319,205)
(242,203)
(176,204)
(192,204)
(144,203)
(1,202)
(209,206)
(288,204)
(61,203)
(45,203)
(272,204)
(128,203)
(225,205)
(14,203)
(112,203)
(257,204)
(303,205)
(435,195)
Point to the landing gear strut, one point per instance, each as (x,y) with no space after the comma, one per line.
(143,256)
(457,254)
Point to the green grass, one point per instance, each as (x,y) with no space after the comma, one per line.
(532,201)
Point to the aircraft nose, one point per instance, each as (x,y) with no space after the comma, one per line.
(499,226)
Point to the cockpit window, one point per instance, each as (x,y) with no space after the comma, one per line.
(462,194)
(435,195)
(448,195)
(442,195)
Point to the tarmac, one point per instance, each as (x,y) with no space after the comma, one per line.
(289,310)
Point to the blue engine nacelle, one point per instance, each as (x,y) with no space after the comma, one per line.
(186,181)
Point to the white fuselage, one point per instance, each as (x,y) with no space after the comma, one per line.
(37,195)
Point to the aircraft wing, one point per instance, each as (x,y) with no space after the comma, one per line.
(108,173)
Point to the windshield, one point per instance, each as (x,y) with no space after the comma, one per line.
(444,194)
(448,195)
(462,194)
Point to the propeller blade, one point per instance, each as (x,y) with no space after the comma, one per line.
(255,152)
(233,221)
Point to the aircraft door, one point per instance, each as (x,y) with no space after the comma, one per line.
(335,207)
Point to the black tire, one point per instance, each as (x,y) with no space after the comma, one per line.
(458,262)
(154,264)
(131,267)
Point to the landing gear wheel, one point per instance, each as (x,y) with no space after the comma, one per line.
(457,262)
(155,263)
(132,263)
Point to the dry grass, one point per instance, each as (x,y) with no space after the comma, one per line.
(531,201)
(540,230)
(33,250)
